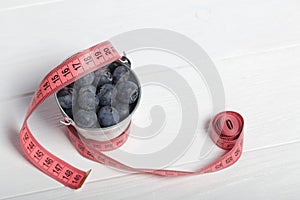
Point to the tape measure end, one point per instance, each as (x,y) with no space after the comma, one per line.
(88,172)
(83,180)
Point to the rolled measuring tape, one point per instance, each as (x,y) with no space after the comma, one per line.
(226,128)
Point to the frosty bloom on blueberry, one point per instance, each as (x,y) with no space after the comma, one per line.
(128,92)
(86,80)
(107,94)
(85,119)
(123,110)
(87,101)
(87,88)
(121,73)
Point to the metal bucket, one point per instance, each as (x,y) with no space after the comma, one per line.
(107,133)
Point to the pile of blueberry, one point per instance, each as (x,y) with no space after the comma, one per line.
(102,98)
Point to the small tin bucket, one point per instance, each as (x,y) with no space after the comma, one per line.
(107,133)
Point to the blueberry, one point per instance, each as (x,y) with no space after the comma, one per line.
(104,78)
(69,112)
(108,116)
(112,66)
(64,97)
(131,107)
(74,96)
(85,119)
(86,80)
(123,110)
(107,94)
(87,101)
(97,100)
(71,85)
(102,70)
(128,92)
(87,88)
(121,73)
(96,125)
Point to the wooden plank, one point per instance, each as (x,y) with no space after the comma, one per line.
(19,176)
(268,173)
(38,38)
(6,6)
(265,88)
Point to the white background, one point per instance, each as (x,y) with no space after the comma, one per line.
(255,46)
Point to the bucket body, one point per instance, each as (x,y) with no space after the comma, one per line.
(106,133)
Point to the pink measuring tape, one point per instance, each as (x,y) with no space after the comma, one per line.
(226,127)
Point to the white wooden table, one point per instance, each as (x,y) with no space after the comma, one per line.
(255,46)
